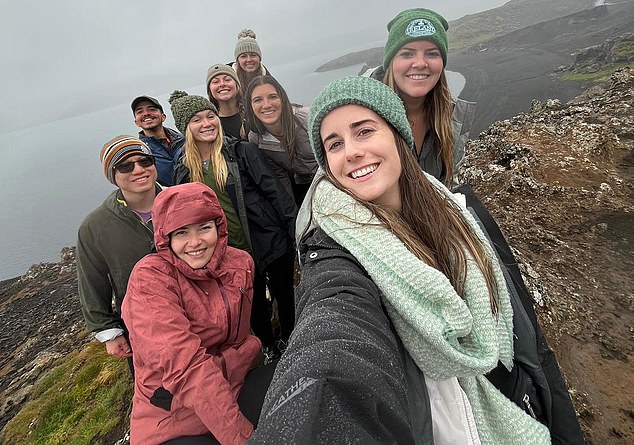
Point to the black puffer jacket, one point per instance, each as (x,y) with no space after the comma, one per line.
(266,211)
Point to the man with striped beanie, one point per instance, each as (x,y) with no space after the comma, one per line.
(113,237)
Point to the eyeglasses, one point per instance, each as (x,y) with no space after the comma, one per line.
(127,167)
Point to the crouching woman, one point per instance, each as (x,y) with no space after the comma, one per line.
(188,309)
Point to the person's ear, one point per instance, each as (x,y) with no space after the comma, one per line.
(163,117)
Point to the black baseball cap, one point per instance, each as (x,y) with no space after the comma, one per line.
(136,101)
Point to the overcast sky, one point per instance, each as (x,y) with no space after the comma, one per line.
(67,57)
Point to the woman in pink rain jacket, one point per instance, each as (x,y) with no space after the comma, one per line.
(188,309)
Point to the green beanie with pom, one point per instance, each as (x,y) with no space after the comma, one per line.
(415,24)
(363,91)
(185,106)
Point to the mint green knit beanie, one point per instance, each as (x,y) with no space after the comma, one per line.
(415,24)
(185,106)
(364,91)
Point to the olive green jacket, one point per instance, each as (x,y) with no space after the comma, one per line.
(111,240)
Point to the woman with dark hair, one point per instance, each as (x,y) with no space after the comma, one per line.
(278,127)
(223,90)
(403,308)
(260,214)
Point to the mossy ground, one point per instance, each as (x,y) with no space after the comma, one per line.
(596,75)
(81,401)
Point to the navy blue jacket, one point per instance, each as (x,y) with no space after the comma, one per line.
(165,158)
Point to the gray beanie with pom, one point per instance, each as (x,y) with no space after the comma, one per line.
(363,91)
(247,43)
(185,106)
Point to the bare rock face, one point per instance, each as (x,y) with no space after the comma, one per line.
(40,322)
(559,181)
(594,58)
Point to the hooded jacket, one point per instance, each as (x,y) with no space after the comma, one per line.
(189,329)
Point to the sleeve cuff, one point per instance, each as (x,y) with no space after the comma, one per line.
(108,334)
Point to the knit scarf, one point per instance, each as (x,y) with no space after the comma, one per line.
(446,335)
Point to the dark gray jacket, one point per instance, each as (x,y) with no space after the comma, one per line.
(266,211)
(345,377)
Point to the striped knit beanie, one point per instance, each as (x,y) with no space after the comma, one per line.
(185,106)
(415,24)
(364,91)
(247,44)
(117,150)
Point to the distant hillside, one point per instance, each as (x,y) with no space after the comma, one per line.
(504,74)
(516,14)
(476,28)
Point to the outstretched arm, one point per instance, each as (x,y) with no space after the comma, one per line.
(341,380)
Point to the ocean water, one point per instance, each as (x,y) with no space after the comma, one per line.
(51,177)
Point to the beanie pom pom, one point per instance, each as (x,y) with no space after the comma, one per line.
(246,32)
(177,94)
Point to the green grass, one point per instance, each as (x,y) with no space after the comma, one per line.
(598,75)
(624,49)
(78,402)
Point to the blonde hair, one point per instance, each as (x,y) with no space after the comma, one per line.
(194,162)
(439,108)
(431,226)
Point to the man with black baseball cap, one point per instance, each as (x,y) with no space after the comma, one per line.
(166,144)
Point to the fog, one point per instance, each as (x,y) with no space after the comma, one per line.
(71,68)
(70,57)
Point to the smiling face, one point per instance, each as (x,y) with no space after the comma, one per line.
(204,126)
(223,88)
(195,243)
(266,104)
(139,180)
(148,116)
(416,68)
(362,156)
(249,62)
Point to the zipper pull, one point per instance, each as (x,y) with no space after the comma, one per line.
(527,401)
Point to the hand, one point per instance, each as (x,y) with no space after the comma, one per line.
(119,347)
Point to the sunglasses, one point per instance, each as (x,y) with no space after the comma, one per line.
(127,167)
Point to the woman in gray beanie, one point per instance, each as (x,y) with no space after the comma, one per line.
(223,90)
(414,62)
(260,213)
(248,59)
(402,308)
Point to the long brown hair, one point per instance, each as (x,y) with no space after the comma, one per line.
(194,162)
(244,129)
(439,108)
(288,120)
(246,78)
(430,225)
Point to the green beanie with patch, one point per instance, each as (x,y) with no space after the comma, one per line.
(415,24)
(185,106)
(357,90)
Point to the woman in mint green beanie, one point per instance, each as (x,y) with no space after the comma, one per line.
(402,308)
(414,61)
